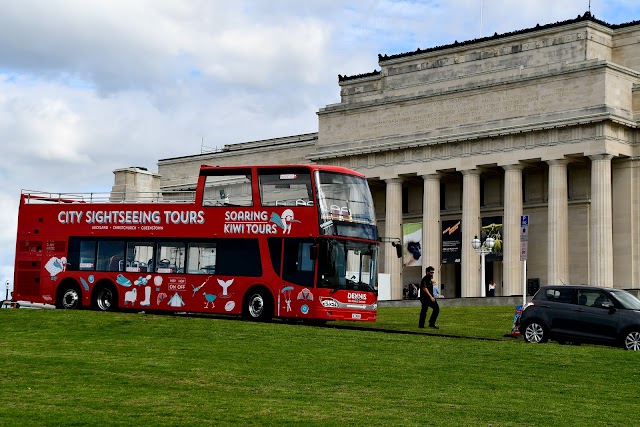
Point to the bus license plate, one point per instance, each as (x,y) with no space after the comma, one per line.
(356,316)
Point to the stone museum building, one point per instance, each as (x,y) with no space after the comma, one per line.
(463,140)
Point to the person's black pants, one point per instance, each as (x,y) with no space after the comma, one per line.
(435,310)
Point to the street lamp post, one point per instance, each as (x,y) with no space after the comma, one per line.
(483,248)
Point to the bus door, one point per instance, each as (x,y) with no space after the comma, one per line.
(297,270)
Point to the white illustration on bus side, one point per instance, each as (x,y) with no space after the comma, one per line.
(131,296)
(286,291)
(284,221)
(225,285)
(176,301)
(305,295)
(56,266)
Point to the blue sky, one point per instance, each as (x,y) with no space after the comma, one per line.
(88,87)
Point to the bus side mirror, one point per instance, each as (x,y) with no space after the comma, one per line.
(313,253)
(398,247)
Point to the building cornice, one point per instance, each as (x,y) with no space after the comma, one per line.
(399,143)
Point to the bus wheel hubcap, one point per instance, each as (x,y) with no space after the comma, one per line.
(70,299)
(256,306)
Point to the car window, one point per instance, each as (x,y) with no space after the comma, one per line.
(561,295)
(601,298)
(593,297)
(627,300)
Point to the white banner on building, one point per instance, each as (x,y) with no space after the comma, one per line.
(412,244)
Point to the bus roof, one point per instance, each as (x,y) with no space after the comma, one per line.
(313,167)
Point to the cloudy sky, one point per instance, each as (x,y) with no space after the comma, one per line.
(90,86)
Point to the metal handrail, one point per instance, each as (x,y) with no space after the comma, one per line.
(32,197)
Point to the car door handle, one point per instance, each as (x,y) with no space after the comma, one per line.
(578,309)
(545,305)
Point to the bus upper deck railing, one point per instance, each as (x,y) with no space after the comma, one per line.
(40,197)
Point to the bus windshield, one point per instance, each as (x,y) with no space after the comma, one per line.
(344,264)
(345,206)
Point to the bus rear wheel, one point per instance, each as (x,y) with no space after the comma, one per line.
(106,298)
(258,306)
(68,297)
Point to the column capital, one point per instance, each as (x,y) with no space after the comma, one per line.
(395,180)
(434,176)
(558,162)
(514,167)
(603,156)
(471,171)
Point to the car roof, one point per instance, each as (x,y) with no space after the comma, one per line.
(579,287)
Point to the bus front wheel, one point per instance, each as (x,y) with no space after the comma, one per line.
(258,306)
(68,297)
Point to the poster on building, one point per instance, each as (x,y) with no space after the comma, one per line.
(412,247)
(492,227)
(451,241)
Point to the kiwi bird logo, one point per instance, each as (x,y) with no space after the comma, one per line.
(209,299)
(284,221)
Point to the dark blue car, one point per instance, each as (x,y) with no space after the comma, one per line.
(582,314)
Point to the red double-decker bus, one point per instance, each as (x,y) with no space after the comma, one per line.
(291,241)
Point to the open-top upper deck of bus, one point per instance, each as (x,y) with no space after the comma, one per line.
(226,180)
(204,169)
(296,199)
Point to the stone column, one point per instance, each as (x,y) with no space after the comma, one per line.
(470,228)
(558,220)
(431,230)
(393,229)
(512,266)
(601,227)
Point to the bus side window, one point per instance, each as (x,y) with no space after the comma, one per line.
(138,252)
(201,258)
(285,188)
(228,190)
(82,254)
(116,263)
(170,257)
(238,257)
(110,255)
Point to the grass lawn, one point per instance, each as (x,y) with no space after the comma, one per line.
(72,368)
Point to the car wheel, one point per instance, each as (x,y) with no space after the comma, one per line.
(632,341)
(258,306)
(535,332)
(68,298)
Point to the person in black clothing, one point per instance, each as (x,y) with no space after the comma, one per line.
(428,300)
